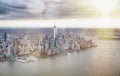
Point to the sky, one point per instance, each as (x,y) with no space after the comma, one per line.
(63,13)
(19,9)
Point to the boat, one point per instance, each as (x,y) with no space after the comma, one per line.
(23,61)
(68,53)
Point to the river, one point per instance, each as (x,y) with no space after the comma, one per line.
(103,60)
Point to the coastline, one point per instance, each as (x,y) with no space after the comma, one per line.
(108,38)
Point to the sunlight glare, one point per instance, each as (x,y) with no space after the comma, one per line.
(104,6)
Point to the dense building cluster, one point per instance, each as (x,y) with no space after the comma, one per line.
(41,45)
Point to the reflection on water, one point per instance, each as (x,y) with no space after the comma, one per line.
(100,61)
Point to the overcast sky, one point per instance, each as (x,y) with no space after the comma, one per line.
(63,13)
(18,9)
(15,9)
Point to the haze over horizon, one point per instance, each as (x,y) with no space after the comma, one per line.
(62,23)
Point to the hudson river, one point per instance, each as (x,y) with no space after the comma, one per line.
(103,60)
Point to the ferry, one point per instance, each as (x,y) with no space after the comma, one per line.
(23,59)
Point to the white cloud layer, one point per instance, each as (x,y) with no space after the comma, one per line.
(64,23)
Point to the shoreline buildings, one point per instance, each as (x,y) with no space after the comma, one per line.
(42,44)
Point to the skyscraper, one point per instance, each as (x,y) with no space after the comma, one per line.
(16,49)
(55,31)
(5,36)
(55,34)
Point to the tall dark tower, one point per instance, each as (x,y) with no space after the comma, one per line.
(55,34)
(5,36)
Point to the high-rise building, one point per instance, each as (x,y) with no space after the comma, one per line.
(55,31)
(10,51)
(5,36)
(51,43)
(16,49)
(55,34)
(40,39)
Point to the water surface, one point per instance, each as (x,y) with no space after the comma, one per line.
(103,60)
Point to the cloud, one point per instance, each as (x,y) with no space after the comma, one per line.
(17,9)
(28,8)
